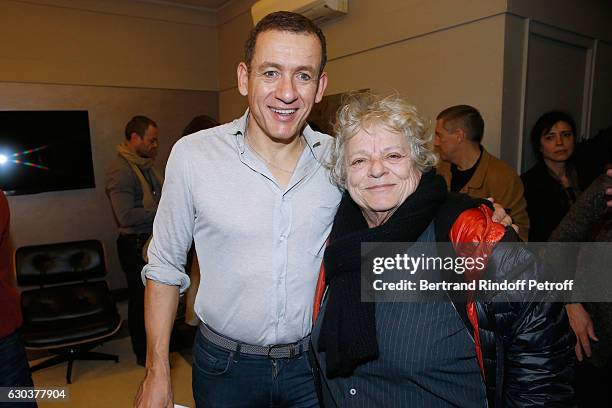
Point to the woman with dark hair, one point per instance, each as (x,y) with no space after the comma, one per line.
(552,185)
(198,123)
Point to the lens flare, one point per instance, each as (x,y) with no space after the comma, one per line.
(36,149)
(15,158)
(38,166)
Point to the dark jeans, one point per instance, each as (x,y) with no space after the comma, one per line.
(129,248)
(14,369)
(225,379)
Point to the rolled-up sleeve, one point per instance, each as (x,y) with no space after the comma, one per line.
(173,225)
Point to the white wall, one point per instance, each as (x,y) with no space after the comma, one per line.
(436,54)
(584,24)
(115,59)
(86,214)
(107,43)
(234,24)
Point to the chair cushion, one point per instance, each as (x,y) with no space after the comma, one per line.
(60,263)
(53,316)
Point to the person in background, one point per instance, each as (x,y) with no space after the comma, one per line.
(563,170)
(590,220)
(468,168)
(14,368)
(200,122)
(592,156)
(133,186)
(552,185)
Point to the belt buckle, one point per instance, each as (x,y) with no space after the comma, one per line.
(291,346)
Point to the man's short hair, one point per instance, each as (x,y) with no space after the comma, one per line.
(284,21)
(139,125)
(465,117)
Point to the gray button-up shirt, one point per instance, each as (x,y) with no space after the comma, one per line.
(259,245)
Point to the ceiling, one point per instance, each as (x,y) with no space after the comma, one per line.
(198,4)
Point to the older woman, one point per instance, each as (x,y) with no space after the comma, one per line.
(424,354)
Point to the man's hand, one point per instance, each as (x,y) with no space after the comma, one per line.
(500,216)
(155,391)
(582,325)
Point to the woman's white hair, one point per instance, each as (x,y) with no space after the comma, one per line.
(361,110)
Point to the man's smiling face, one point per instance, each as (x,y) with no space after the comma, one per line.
(283,83)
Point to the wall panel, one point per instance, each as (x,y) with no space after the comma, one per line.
(83,214)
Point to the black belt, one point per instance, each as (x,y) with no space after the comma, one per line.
(277,351)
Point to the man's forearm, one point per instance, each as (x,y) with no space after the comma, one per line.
(161,302)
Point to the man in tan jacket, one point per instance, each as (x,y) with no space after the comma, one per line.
(468,168)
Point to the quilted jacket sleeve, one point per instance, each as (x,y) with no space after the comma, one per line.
(538,360)
(537,340)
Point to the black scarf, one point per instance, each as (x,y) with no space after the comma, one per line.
(348,331)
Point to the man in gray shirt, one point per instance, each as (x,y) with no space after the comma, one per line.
(133,186)
(256,199)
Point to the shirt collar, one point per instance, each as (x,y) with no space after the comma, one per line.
(239,130)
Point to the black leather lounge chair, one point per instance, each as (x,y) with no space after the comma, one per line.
(71,310)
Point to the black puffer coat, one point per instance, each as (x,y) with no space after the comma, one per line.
(527,344)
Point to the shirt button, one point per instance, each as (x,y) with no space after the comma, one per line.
(353,391)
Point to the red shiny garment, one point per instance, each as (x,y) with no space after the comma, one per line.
(474,234)
(319,291)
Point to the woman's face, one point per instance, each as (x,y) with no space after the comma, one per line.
(558,144)
(380,172)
